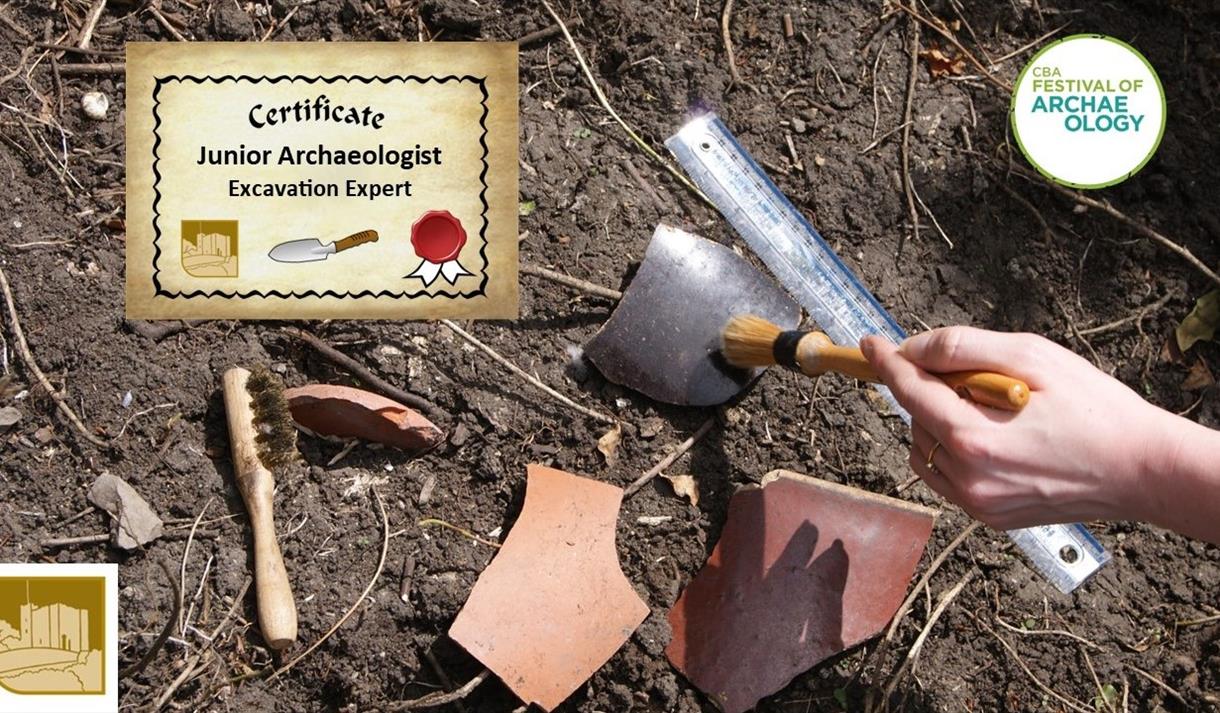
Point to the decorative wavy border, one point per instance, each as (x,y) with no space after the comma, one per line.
(161,292)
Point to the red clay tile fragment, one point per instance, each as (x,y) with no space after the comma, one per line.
(347,412)
(804,569)
(553,606)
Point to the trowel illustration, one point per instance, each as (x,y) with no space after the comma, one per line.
(312,249)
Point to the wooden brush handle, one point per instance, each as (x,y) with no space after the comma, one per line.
(277,612)
(351,241)
(816,355)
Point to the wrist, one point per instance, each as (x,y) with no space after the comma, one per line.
(1170,470)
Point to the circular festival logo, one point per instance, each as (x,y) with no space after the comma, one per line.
(1088,111)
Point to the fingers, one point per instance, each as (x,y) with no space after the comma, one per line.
(930,401)
(966,348)
(938,478)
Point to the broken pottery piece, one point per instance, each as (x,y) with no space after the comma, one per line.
(346,412)
(553,605)
(133,522)
(663,339)
(804,569)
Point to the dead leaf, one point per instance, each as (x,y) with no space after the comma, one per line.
(1202,322)
(941,64)
(134,522)
(685,486)
(608,443)
(1199,377)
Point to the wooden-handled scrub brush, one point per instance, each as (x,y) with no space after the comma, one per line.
(262,438)
(750,341)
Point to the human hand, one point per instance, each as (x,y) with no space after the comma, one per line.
(1078,451)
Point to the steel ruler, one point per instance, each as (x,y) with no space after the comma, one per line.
(814,275)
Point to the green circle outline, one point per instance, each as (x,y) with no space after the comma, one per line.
(1012,111)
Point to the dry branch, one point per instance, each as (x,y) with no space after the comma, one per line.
(525,375)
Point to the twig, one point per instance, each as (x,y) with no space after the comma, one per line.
(546,32)
(443,676)
(1164,686)
(176,603)
(725,16)
(670,459)
(69,541)
(601,97)
(361,372)
(940,30)
(1139,227)
(24,349)
(927,575)
(439,699)
(1029,45)
(100,538)
(186,553)
(101,68)
(1138,316)
(1046,227)
(932,216)
(78,50)
(1070,703)
(907,188)
(430,521)
(878,141)
(161,20)
(8,22)
(568,281)
(385,546)
(525,375)
(946,598)
(192,664)
(1047,632)
(86,31)
(629,165)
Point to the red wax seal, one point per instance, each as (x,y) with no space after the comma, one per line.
(437,236)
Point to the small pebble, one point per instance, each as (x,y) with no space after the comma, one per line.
(799,125)
(95,105)
(127,400)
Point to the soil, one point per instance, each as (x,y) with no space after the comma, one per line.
(62,246)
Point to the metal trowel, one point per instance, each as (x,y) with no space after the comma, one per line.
(663,339)
(311,249)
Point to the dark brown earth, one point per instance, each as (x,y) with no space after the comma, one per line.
(62,242)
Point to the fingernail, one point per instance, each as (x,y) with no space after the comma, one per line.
(867,348)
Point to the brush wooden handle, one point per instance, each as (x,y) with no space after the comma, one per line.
(816,355)
(277,612)
(351,241)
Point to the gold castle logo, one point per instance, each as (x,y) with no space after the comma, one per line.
(55,637)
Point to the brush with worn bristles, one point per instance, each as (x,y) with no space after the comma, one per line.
(749,341)
(263,438)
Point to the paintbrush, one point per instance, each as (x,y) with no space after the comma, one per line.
(263,438)
(749,341)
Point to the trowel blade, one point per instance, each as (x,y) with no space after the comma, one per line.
(304,250)
(663,339)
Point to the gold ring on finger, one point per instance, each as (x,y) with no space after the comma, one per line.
(931,455)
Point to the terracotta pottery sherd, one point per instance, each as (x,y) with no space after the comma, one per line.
(346,412)
(553,606)
(804,569)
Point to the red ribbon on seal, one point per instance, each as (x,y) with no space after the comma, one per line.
(438,237)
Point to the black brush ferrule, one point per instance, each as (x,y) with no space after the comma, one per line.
(784,348)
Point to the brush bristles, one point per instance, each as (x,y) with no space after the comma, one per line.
(749,341)
(277,434)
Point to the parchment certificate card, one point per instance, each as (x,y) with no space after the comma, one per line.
(319,180)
